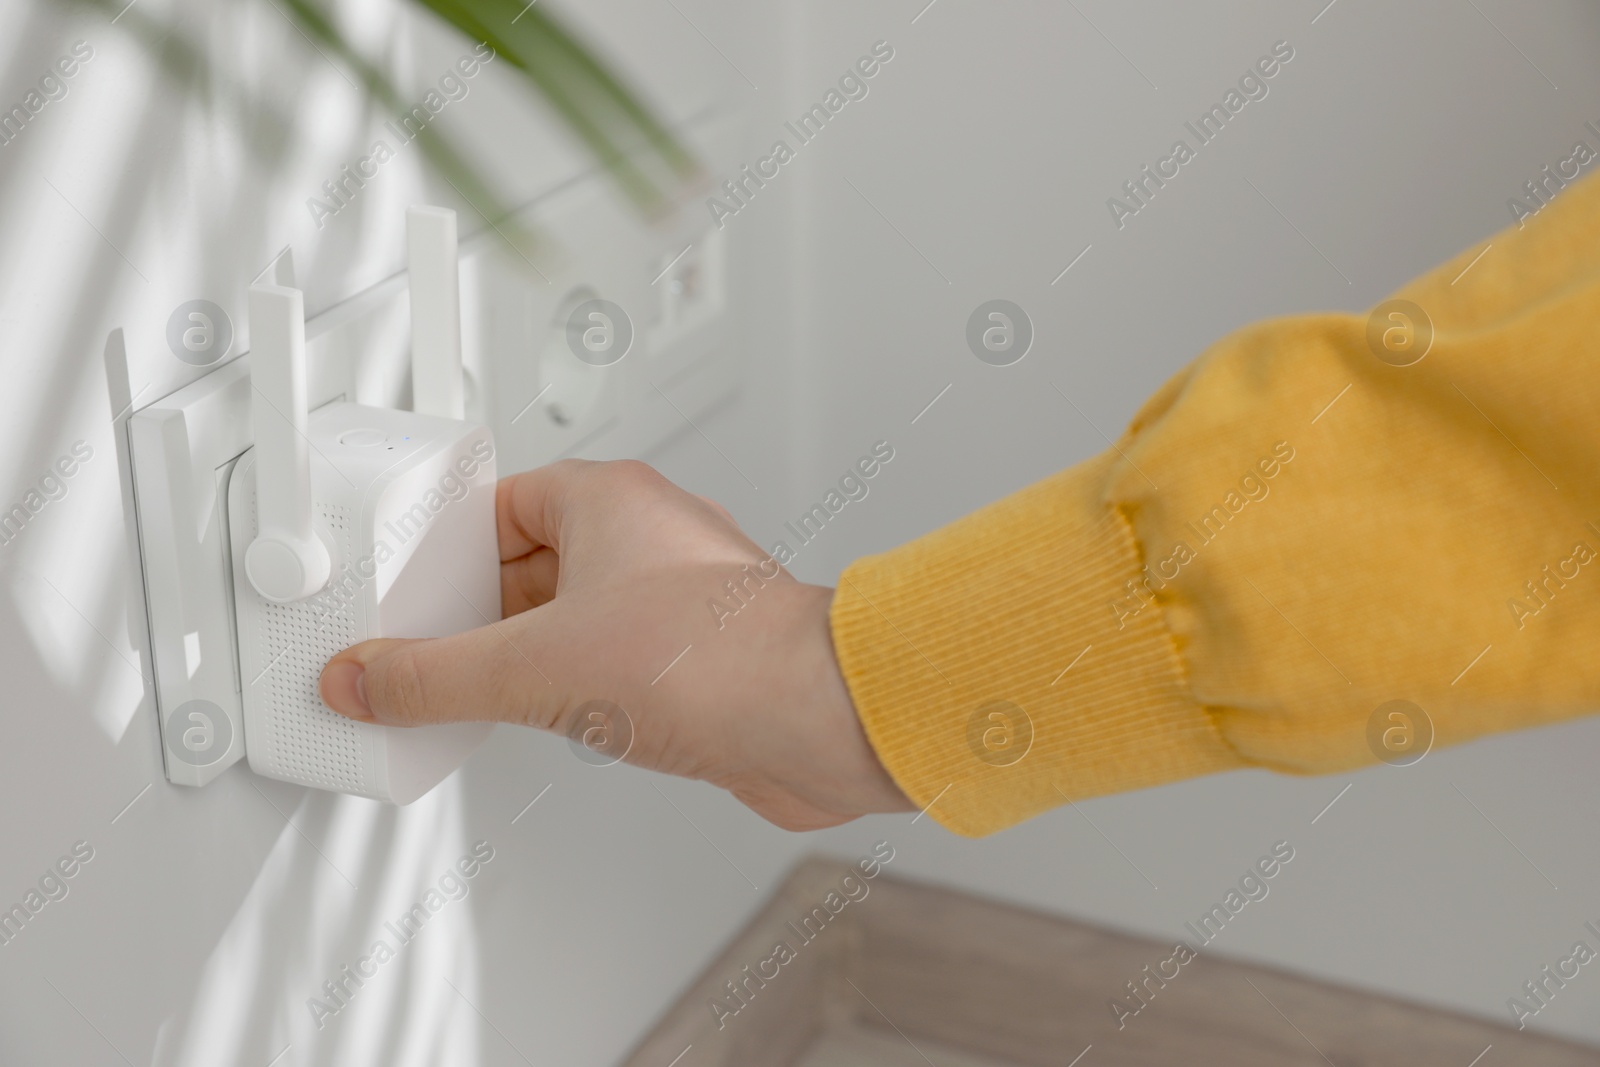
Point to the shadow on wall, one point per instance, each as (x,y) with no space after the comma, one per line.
(232,924)
(353,944)
(348,939)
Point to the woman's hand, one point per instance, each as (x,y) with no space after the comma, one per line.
(608,572)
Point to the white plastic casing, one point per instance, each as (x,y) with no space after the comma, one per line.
(434,279)
(406,504)
(287,561)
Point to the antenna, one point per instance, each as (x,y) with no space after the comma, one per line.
(287,561)
(435,283)
(283,268)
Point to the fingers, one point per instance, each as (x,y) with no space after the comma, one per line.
(528,581)
(543,507)
(529,506)
(478,676)
(520,503)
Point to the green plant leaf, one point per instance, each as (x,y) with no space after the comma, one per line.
(642,155)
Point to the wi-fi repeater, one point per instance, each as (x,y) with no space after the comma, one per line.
(354,522)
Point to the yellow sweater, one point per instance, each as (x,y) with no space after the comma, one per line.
(1292,533)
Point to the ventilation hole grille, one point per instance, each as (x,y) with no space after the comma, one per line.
(305,741)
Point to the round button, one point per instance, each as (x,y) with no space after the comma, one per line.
(363,438)
(284,571)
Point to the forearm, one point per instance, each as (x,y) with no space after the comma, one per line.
(1291,533)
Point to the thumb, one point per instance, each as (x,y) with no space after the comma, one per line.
(476,676)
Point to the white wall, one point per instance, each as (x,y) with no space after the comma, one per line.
(990,143)
(206,918)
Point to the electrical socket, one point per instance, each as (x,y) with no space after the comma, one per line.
(538,403)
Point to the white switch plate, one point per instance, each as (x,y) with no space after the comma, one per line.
(540,402)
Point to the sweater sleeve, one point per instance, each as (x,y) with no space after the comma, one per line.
(1320,516)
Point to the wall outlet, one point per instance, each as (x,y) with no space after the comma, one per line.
(541,372)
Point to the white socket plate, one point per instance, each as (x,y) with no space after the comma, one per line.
(182,448)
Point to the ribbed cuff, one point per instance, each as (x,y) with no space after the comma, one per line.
(995,673)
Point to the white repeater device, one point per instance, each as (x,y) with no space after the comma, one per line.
(353,522)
